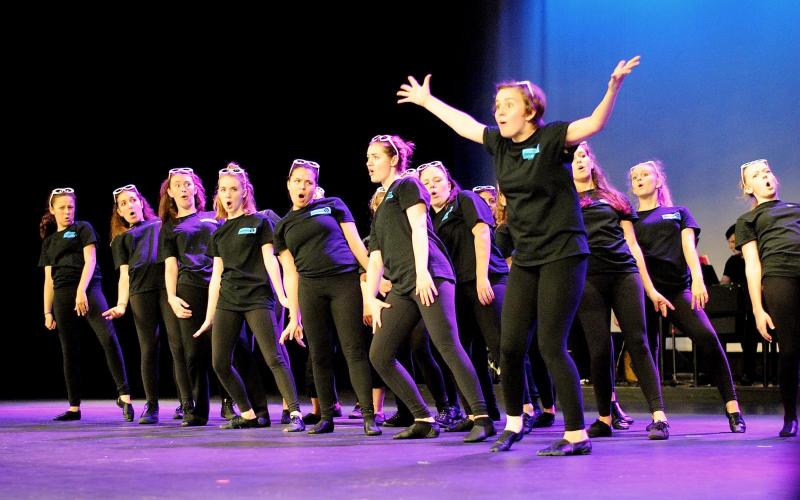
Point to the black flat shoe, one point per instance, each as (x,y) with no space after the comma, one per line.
(178,415)
(564,448)
(506,440)
(127,410)
(599,429)
(658,431)
(239,422)
(371,426)
(296,424)
(286,417)
(149,415)
(322,427)
(263,418)
(337,410)
(482,429)
(736,422)
(616,410)
(76,415)
(226,411)
(527,423)
(311,418)
(356,413)
(191,421)
(543,420)
(419,430)
(398,420)
(464,425)
(789,428)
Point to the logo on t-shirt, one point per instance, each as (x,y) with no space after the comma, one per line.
(672,216)
(447,214)
(70,234)
(247,230)
(389,195)
(320,211)
(530,153)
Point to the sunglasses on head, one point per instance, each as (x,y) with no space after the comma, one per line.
(751,164)
(386,138)
(180,170)
(58,191)
(129,187)
(304,163)
(234,170)
(527,84)
(481,189)
(437,164)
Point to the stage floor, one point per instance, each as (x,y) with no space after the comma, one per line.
(102,456)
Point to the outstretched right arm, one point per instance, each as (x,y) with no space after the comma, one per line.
(420,94)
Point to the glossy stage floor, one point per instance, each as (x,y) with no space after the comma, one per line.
(103,457)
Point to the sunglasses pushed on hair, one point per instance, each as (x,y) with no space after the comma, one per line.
(436,164)
(58,191)
(234,170)
(751,164)
(180,170)
(386,138)
(129,187)
(481,189)
(299,162)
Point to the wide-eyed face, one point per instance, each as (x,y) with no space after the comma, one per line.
(437,184)
(380,165)
(182,190)
(644,180)
(302,185)
(510,115)
(129,207)
(581,166)
(230,194)
(759,181)
(62,207)
(490,199)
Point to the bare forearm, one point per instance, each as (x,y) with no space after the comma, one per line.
(483,244)
(462,123)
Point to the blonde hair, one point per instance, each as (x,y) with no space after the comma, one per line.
(663,195)
(743,183)
(249,202)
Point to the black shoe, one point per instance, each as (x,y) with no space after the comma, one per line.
(296,424)
(263,418)
(537,408)
(527,423)
(658,430)
(398,420)
(544,420)
(564,448)
(286,417)
(419,430)
(619,424)
(463,425)
(178,415)
(616,411)
(239,422)
(127,410)
(482,429)
(789,428)
(322,427)
(356,413)
(736,422)
(226,411)
(337,410)
(380,418)
(371,426)
(445,417)
(506,440)
(76,415)
(599,429)
(311,418)
(150,414)
(190,420)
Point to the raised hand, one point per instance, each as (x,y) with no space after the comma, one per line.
(414,92)
(623,69)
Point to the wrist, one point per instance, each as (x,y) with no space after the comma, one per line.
(50,313)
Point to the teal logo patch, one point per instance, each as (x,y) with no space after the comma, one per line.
(70,234)
(530,153)
(672,216)
(389,195)
(447,214)
(320,211)
(247,230)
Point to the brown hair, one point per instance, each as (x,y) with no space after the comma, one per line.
(168,209)
(405,149)
(47,225)
(603,188)
(535,100)
(118,223)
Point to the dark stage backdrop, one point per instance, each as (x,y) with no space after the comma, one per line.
(99,106)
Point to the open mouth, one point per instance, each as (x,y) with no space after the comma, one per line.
(301,196)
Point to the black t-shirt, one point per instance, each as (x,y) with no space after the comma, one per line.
(63,250)
(391,234)
(609,250)
(245,284)
(454,223)
(658,232)
(138,249)
(187,239)
(735,270)
(502,238)
(316,240)
(775,225)
(544,217)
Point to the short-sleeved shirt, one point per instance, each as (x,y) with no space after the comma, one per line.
(454,223)
(316,240)
(535,175)
(775,226)
(391,235)
(658,232)
(245,284)
(502,238)
(63,250)
(735,270)
(607,244)
(186,239)
(137,248)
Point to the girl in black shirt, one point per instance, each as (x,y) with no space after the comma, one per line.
(546,280)
(769,237)
(134,245)
(319,249)
(72,289)
(667,236)
(239,291)
(403,243)
(617,279)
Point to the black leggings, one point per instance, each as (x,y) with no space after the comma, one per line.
(69,333)
(549,295)
(336,298)
(147,308)
(695,324)
(782,298)
(225,334)
(397,323)
(196,351)
(624,293)
(540,385)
